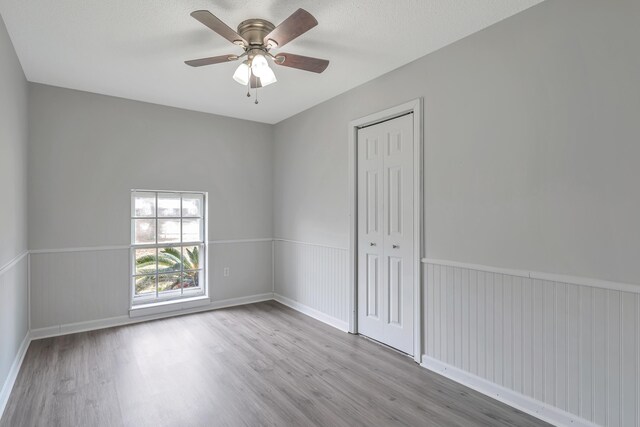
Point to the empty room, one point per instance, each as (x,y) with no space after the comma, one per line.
(319,213)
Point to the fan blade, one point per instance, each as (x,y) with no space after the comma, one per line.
(211,21)
(295,25)
(255,82)
(300,62)
(212,60)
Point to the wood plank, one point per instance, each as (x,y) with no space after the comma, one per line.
(260,364)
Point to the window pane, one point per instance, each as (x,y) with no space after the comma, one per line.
(173,224)
(144,204)
(169,260)
(192,230)
(192,279)
(169,282)
(192,205)
(144,231)
(168,204)
(145,285)
(191,257)
(168,231)
(145,261)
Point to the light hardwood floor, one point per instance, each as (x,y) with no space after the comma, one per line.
(260,364)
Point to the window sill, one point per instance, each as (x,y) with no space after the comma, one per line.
(168,306)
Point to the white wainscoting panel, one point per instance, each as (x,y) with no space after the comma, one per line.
(89,286)
(249,264)
(313,276)
(573,347)
(14,321)
(78,286)
(93,325)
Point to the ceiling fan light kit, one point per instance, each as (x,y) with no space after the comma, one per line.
(257,37)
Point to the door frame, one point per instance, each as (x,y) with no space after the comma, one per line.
(414,106)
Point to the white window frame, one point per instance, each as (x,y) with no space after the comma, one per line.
(174,296)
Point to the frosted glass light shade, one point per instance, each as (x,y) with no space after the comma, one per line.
(242,74)
(267,77)
(259,65)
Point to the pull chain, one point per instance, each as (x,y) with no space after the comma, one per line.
(249,82)
(256,94)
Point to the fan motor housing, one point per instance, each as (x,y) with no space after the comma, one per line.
(255,30)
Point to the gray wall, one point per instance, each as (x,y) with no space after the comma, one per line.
(531,145)
(13,227)
(13,161)
(86,152)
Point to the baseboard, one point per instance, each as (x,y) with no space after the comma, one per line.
(232,302)
(92,325)
(312,312)
(516,400)
(13,373)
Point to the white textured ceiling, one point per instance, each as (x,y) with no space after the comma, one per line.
(135,48)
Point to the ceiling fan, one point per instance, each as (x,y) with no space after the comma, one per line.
(257,37)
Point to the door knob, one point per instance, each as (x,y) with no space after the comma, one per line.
(396,246)
(372,244)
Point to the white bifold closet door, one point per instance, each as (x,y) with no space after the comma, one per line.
(385,232)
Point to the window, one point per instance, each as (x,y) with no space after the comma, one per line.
(168,249)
